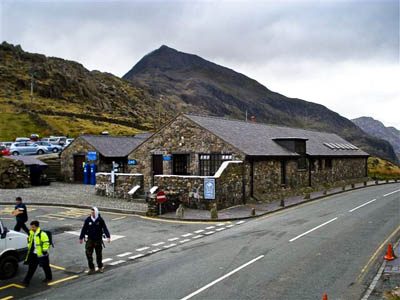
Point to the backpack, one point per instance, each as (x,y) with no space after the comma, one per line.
(49,235)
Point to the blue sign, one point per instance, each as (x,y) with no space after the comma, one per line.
(131,162)
(92,155)
(209,188)
(166,157)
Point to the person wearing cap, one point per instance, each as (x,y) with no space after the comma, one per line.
(21,215)
(94,227)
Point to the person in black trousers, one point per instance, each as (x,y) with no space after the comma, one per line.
(94,227)
(21,216)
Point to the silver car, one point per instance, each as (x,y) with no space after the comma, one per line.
(25,148)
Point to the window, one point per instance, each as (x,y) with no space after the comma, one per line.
(181,164)
(312,164)
(283,172)
(302,163)
(328,163)
(210,163)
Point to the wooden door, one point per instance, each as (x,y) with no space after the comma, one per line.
(157,164)
(79,161)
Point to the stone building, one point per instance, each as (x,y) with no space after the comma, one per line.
(102,150)
(270,162)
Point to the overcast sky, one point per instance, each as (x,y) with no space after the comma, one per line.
(342,54)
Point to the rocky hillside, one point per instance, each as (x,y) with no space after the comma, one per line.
(189,83)
(377,129)
(68,99)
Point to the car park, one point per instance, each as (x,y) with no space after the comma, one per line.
(26,148)
(6,144)
(4,151)
(50,147)
(60,140)
(22,139)
(13,249)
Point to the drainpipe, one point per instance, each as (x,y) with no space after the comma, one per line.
(244,182)
(309,171)
(252,179)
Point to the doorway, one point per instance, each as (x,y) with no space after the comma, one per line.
(79,161)
(157,164)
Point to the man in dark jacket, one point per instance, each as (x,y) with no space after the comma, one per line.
(21,216)
(94,227)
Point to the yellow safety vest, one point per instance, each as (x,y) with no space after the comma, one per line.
(41,240)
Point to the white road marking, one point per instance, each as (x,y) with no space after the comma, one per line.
(116,262)
(158,244)
(240,222)
(222,278)
(311,230)
(144,248)
(351,210)
(197,236)
(173,239)
(184,241)
(210,232)
(155,250)
(220,224)
(198,231)
(169,246)
(114,237)
(106,260)
(187,234)
(124,254)
(135,256)
(391,193)
(219,229)
(210,227)
(230,226)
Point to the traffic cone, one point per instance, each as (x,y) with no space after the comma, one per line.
(389,254)
(325,296)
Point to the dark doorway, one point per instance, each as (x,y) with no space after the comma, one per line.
(157,164)
(181,164)
(79,161)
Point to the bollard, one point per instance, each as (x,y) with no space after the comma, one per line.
(325,192)
(387,180)
(214,212)
(253,212)
(307,196)
(343,188)
(376,182)
(353,185)
(282,203)
(180,212)
(365,183)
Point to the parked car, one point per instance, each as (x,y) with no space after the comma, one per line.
(68,141)
(61,140)
(4,151)
(13,249)
(27,148)
(22,139)
(6,144)
(50,147)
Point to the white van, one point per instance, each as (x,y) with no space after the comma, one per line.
(13,249)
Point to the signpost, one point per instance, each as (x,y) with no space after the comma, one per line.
(209,188)
(161,198)
(131,162)
(167,157)
(91,155)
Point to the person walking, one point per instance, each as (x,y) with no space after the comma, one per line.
(38,253)
(21,216)
(94,227)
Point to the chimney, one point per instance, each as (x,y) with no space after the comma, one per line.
(252,119)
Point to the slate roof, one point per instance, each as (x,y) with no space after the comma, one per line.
(256,139)
(115,146)
(28,160)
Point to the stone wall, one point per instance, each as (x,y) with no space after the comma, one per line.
(180,136)
(13,174)
(123,184)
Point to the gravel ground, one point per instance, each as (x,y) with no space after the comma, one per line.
(65,193)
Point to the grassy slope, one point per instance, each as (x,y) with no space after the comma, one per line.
(382,169)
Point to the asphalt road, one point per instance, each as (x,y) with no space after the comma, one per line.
(299,253)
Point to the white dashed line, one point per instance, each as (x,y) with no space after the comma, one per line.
(210,232)
(158,244)
(184,241)
(351,210)
(311,230)
(230,226)
(219,229)
(154,250)
(220,224)
(124,254)
(135,256)
(116,262)
(199,231)
(169,246)
(391,193)
(173,239)
(186,235)
(210,227)
(240,222)
(197,236)
(106,260)
(142,249)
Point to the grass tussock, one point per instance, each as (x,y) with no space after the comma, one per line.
(380,169)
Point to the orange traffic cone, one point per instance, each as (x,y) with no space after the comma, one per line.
(325,296)
(389,254)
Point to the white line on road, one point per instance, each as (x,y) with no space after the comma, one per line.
(106,260)
(198,231)
(391,193)
(220,224)
(240,222)
(219,229)
(230,226)
(135,256)
(186,235)
(311,230)
(169,246)
(222,278)
(355,208)
(184,241)
(197,236)
(116,262)
(158,244)
(210,232)
(124,254)
(155,250)
(142,249)
(210,227)
(173,239)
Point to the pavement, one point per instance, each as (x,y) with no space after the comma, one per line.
(328,245)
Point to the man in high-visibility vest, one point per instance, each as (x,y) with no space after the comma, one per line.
(38,247)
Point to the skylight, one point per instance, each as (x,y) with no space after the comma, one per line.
(340,146)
